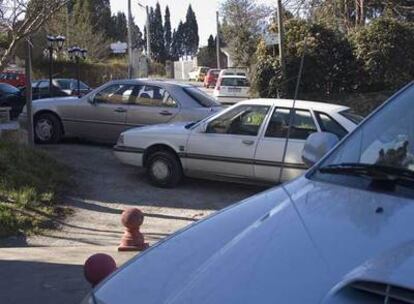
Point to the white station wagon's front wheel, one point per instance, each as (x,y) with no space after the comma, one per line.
(164,169)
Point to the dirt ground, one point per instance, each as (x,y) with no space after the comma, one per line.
(103,189)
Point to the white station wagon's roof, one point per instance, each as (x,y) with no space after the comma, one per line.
(300,104)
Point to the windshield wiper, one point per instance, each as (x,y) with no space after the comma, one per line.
(378,173)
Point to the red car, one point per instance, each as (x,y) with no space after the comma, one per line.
(211,78)
(14,78)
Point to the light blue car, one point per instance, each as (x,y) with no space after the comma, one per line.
(342,233)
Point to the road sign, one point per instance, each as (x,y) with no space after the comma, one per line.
(119,47)
(271,39)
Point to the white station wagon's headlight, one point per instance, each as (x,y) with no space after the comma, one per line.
(121,140)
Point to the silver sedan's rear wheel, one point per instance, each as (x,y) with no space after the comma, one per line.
(164,169)
(47,129)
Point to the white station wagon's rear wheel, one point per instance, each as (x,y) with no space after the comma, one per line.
(164,169)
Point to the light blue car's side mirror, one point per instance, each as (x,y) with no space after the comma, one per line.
(317,145)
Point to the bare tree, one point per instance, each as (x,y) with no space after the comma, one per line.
(21,18)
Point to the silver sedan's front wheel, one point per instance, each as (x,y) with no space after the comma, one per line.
(47,129)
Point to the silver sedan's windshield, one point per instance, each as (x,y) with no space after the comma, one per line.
(383,142)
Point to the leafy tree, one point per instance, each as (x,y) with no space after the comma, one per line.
(167,33)
(207,56)
(385,50)
(242,28)
(330,66)
(23,19)
(95,42)
(119,29)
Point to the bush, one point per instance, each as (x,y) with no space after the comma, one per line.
(94,74)
(330,66)
(385,50)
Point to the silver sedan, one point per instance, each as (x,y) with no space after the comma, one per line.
(107,111)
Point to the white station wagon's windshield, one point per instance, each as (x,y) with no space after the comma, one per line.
(381,147)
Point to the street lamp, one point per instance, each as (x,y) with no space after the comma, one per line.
(76,54)
(54,43)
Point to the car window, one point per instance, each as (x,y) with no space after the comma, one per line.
(328,124)
(43,84)
(74,85)
(153,96)
(303,124)
(64,84)
(200,97)
(384,140)
(242,120)
(115,94)
(235,82)
(8,89)
(355,118)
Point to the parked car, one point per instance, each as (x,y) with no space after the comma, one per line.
(40,90)
(61,88)
(234,72)
(211,78)
(245,142)
(340,234)
(11,97)
(70,86)
(232,89)
(13,77)
(117,106)
(198,73)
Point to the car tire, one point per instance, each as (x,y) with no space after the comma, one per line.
(47,129)
(164,169)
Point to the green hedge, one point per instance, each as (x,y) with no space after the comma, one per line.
(94,74)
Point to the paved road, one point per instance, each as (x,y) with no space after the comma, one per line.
(47,267)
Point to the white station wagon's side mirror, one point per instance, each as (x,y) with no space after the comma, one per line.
(203,128)
(317,145)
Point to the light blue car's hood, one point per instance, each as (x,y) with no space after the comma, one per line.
(295,244)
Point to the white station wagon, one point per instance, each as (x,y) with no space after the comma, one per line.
(245,142)
(341,234)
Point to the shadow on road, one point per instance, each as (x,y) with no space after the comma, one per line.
(100,177)
(33,282)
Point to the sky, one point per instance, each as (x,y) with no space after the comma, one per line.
(205,11)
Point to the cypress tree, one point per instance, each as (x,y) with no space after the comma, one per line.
(167,33)
(192,39)
(157,36)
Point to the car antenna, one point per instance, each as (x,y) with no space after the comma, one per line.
(292,112)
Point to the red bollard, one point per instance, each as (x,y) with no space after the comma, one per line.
(133,239)
(97,267)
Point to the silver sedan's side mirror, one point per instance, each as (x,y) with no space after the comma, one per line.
(317,145)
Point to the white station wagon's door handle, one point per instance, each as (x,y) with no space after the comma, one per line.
(248,142)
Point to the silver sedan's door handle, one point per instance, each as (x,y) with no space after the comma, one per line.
(120,110)
(166,113)
(248,142)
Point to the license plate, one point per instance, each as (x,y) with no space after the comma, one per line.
(235,90)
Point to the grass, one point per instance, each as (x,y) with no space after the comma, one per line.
(30,183)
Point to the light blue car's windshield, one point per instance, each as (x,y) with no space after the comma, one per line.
(386,139)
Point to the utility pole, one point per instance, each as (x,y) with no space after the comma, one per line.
(218,41)
(29,92)
(129,40)
(281,39)
(148,34)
